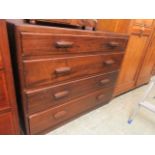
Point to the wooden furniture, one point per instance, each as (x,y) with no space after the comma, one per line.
(148,62)
(63,72)
(140,54)
(8,110)
(73,23)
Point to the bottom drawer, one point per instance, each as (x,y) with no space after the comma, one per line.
(42,121)
(7,124)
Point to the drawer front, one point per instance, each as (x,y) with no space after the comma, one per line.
(52,71)
(41,44)
(7,124)
(53,96)
(3,92)
(52,117)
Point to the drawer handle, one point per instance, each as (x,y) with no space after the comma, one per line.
(64,44)
(63,70)
(104,81)
(113,44)
(109,62)
(60,114)
(100,97)
(62,94)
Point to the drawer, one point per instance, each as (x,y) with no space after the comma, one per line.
(4,103)
(42,44)
(47,119)
(51,71)
(42,99)
(7,124)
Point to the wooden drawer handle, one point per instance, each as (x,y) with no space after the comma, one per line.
(104,81)
(100,97)
(63,70)
(113,44)
(109,62)
(60,114)
(62,94)
(64,44)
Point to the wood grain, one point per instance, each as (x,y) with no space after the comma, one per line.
(42,72)
(4,100)
(46,119)
(63,72)
(1,64)
(46,44)
(148,63)
(9,123)
(138,60)
(78,23)
(44,98)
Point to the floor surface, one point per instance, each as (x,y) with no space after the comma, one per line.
(112,118)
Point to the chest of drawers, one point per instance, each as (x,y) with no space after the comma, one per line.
(63,73)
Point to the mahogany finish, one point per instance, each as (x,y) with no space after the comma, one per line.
(44,98)
(4,102)
(78,23)
(1,64)
(51,117)
(46,44)
(8,124)
(63,72)
(8,111)
(42,72)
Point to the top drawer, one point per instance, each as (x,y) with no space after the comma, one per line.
(46,43)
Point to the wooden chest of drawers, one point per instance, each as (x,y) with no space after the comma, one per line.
(63,72)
